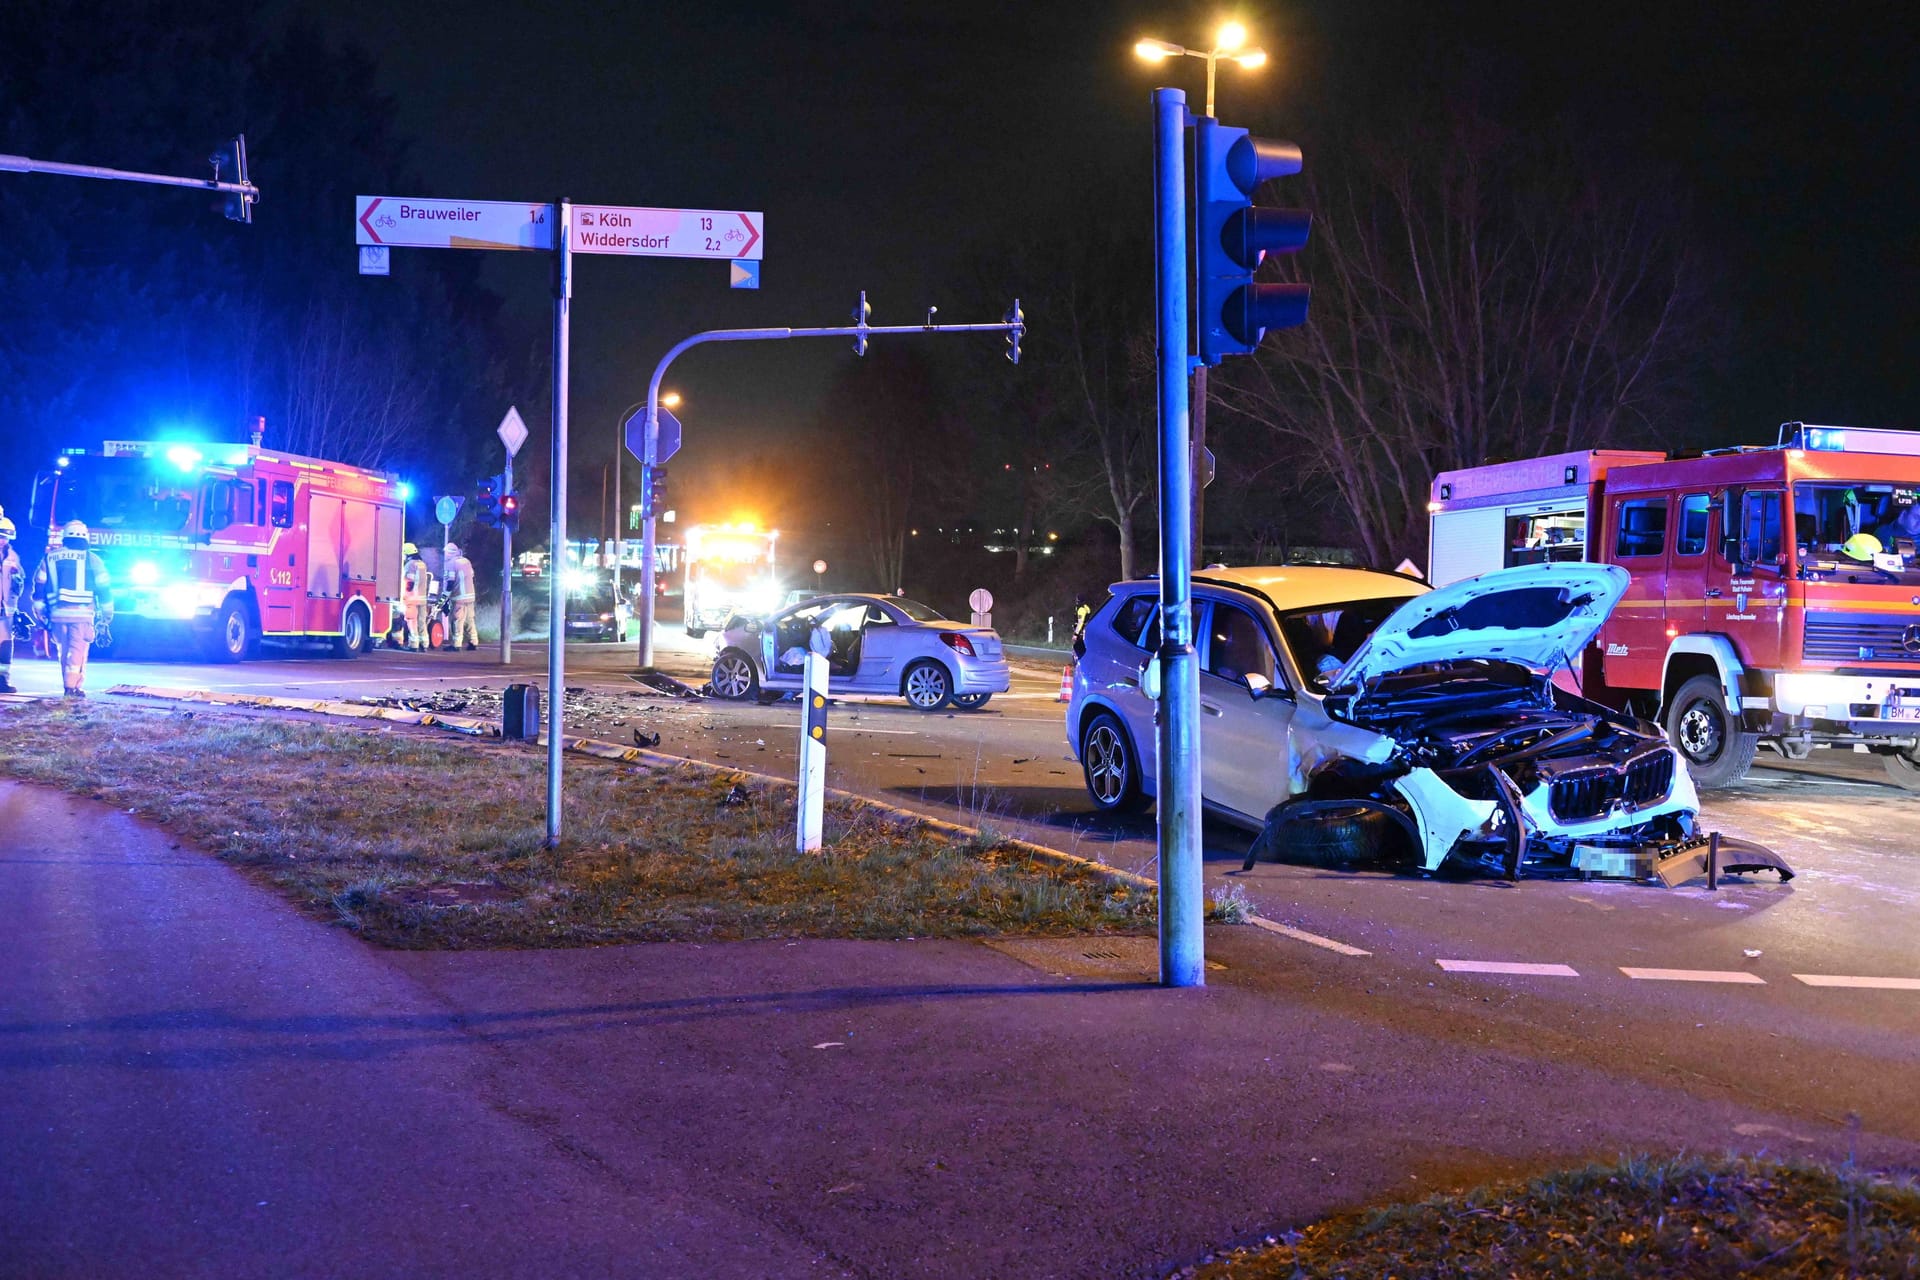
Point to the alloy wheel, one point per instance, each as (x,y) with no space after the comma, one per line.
(1106,764)
(732,676)
(927,686)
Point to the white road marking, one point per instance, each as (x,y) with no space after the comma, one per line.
(1311,939)
(1875,984)
(860,728)
(1696,975)
(1507,966)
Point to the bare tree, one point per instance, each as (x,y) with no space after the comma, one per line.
(1473,299)
(349,393)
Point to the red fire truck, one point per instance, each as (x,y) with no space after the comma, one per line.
(1758,613)
(225,544)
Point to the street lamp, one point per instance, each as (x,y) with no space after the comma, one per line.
(1229,42)
(672,401)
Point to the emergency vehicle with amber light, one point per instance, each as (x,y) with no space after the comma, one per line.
(228,544)
(730,568)
(1775,595)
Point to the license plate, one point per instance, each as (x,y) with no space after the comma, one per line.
(1906,711)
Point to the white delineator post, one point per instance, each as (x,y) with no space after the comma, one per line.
(813,744)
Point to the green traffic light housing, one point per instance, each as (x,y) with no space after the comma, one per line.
(1233,236)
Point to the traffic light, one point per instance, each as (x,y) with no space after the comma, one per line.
(510,511)
(487,502)
(1018,319)
(1234,234)
(230,165)
(653,490)
(862,316)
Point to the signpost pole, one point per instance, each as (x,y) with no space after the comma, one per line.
(649,569)
(1182,894)
(556,570)
(506,573)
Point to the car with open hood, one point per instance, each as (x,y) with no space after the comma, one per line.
(1347,713)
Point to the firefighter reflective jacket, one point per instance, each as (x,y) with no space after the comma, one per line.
(13,585)
(415,582)
(460,584)
(72,584)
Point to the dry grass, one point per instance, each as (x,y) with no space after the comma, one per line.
(363,826)
(1681,1218)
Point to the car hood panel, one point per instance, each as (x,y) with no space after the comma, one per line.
(1536,616)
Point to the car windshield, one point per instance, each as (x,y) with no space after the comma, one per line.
(1830,518)
(917,611)
(1322,639)
(597,599)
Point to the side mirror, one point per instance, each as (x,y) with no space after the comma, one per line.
(1150,679)
(1258,685)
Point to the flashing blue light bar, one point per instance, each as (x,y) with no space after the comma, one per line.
(1800,435)
(406,492)
(184,457)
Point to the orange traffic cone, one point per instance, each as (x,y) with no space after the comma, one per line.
(1066,684)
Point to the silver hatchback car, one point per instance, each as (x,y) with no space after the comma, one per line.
(881,645)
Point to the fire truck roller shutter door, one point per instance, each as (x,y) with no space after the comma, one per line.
(324,520)
(386,583)
(1466,544)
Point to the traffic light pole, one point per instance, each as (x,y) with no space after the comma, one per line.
(1177,728)
(556,575)
(1014,326)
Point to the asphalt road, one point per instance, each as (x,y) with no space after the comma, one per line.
(1806,995)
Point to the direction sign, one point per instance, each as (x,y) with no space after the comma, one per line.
(667,233)
(512,431)
(451,224)
(669,442)
(743,273)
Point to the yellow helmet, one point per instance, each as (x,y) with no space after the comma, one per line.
(1862,547)
(6,527)
(408,549)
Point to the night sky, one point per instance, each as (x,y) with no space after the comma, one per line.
(887,143)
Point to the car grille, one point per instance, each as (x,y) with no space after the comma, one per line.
(1841,637)
(1590,793)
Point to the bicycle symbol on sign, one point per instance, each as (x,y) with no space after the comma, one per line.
(385,220)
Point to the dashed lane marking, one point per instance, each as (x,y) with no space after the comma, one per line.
(1872,984)
(1738,976)
(1311,939)
(1507,966)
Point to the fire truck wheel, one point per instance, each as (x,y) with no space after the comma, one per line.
(1717,753)
(233,634)
(1903,769)
(356,633)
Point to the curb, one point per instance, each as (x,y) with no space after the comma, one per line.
(475,727)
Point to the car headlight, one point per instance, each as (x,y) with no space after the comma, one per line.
(144,573)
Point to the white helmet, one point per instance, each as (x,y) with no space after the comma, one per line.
(453,548)
(74,529)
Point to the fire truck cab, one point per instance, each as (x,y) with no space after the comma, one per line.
(1775,597)
(730,568)
(227,544)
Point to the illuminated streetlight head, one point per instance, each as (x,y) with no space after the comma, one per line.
(1257,58)
(1232,35)
(1156,50)
(671,399)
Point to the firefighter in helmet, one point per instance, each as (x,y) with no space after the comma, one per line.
(72,586)
(416,584)
(13,588)
(458,572)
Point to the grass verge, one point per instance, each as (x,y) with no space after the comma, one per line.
(418,842)
(1654,1218)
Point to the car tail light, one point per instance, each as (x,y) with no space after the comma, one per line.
(957,642)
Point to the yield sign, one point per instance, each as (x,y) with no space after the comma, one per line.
(669,443)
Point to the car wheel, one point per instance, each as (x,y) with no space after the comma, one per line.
(232,633)
(970,701)
(1903,770)
(1111,768)
(356,634)
(1707,737)
(926,686)
(1335,837)
(734,676)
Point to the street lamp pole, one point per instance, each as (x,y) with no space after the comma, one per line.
(1230,43)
